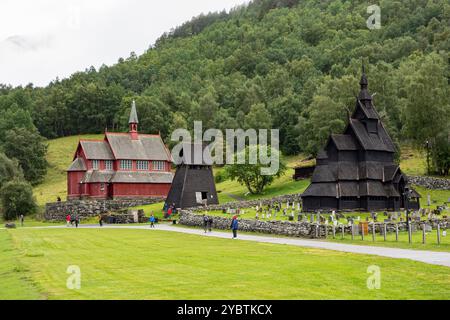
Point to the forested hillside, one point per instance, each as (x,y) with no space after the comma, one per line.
(287,64)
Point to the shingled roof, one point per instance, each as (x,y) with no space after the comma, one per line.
(194,154)
(94,176)
(96,150)
(133,114)
(147,147)
(371,141)
(344,142)
(142,177)
(77,165)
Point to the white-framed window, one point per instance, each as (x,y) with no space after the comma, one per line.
(109,165)
(159,166)
(95,164)
(126,164)
(142,165)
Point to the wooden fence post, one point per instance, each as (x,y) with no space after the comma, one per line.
(438,234)
(396,232)
(373,231)
(384,231)
(424,234)
(409,232)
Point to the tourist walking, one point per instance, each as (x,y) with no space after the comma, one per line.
(100,220)
(21,220)
(77,221)
(234,226)
(68,219)
(205,223)
(210,223)
(152,221)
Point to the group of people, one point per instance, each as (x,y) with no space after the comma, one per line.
(208,223)
(72,219)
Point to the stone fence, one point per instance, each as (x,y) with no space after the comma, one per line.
(90,208)
(294,229)
(430,182)
(300,229)
(251,203)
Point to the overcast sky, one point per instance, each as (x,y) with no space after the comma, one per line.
(44,39)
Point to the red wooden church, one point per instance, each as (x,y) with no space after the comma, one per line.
(122,165)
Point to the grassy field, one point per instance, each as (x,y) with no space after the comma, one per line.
(15,278)
(139,264)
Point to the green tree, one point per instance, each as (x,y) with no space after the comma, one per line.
(30,151)
(17,198)
(258,118)
(440,154)
(250,175)
(9,170)
(425,96)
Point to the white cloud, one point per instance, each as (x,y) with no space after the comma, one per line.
(44,39)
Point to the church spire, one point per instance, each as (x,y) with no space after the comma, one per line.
(364,94)
(133,122)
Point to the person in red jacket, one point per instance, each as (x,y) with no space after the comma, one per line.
(68,219)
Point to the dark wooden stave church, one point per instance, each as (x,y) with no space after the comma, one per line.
(356,169)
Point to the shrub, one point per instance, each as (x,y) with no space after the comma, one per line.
(17,198)
(221,176)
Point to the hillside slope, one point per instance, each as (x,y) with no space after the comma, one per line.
(293,63)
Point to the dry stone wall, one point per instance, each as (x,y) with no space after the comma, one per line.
(300,229)
(430,182)
(90,208)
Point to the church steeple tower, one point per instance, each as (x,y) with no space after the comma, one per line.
(133,122)
(364,94)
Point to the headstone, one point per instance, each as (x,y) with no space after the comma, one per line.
(428,200)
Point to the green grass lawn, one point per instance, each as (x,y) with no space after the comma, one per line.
(15,281)
(139,264)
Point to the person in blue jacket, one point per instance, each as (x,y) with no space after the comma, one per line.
(152,221)
(235,226)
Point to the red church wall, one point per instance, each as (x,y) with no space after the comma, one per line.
(98,190)
(73,184)
(129,190)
